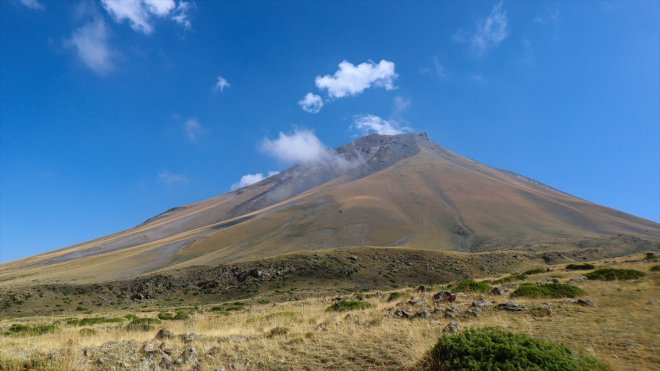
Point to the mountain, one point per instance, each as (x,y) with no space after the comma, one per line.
(379,191)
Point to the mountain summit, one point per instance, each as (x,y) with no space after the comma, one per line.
(379,191)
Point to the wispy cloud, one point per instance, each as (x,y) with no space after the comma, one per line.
(249,179)
(32,4)
(368,124)
(221,84)
(165,176)
(92,47)
(140,14)
(350,80)
(488,32)
(436,69)
(311,103)
(300,146)
(193,129)
(550,19)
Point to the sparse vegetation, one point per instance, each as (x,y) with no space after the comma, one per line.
(342,306)
(534,271)
(278,331)
(395,296)
(655,268)
(548,290)
(612,274)
(142,324)
(472,286)
(494,349)
(511,278)
(580,267)
(89,321)
(20,329)
(87,331)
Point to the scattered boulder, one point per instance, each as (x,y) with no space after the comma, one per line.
(353,258)
(542,310)
(452,328)
(499,291)
(481,304)
(586,302)
(400,313)
(512,306)
(445,296)
(473,312)
(151,347)
(190,337)
(422,314)
(187,356)
(166,362)
(551,280)
(451,312)
(421,289)
(164,334)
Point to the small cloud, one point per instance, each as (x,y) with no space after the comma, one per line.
(488,33)
(221,84)
(368,124)
(401,105)
(250,179)
(550,19)
(32,4)
(311,103)
(165,176)
(436,70)
(181,15)
(351,80)
(92,46)
(300,146)
(141,13)
(193,129)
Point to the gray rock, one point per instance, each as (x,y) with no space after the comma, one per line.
(452,328)
(151,347)
(586,302)
(422,314)
(542,310)
(166,361)
(482,304)
(473,312)
(499,291)
(353,258)
(164,334)
(188,355)
(421,289)
(512,306)
(444,296)
(191,336)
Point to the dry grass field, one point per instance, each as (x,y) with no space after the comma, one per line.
(621,330)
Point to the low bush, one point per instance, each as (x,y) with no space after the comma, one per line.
(342,306)
(511,278)
(278,331)
(611,274)
(142,324)
(87,331)
(20,329)
(494,349)
(655,268)
(89,321)
(580,267)
(472,286)
(395,296)
(534,271)
(165,316)
(547,290)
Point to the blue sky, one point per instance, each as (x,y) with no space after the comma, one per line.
(113,112)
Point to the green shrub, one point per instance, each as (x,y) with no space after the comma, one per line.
(547,290)
(87,331)
(511,278)
(580,267)
(19,329)
(181,315)
(534,271)
(342,306)
(263,301)
(165,316)
(89,321)
(142,324)
(130,317)
(651,257)
(611,274)
(494,349)
(81,309)
(655,268)
(472,286)
(395,296)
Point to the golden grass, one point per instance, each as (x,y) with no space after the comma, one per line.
(621,330)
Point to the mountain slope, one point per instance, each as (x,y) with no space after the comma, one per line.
(401,190)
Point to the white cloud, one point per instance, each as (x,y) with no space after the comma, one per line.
(488,32)
(368,124)
(250,179)
(311,103)
(491,31)
(221,84)
(193,129)
(32,4)
(140,13)
(165,176)
(550,19)
(301,146)
(350,80)
(91,44)
(181,16)
(436,70)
